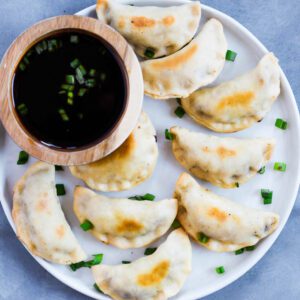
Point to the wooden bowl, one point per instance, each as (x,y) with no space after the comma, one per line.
(134,99)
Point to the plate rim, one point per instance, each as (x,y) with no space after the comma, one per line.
(261,251)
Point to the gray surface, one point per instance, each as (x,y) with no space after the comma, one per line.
(276,24)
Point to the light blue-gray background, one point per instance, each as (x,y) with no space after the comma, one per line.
(276,276)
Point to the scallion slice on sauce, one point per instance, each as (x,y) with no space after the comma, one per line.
(79,75)
(70,79)
(75,63)
(81,92)
(149,53)
(280,166)
(92,72)
(23,158)
(231,55)
(262,170)
(67,87)
(70,101)
(149,251)
(147,196)
(22,66)
(74,39)
(60,189)
(22,108)
(179,112)
(90,83)
(87,225)
(168,135)
(58,168)
(63,115)
(88,264)
(202,238)
(220,270)
(279,123)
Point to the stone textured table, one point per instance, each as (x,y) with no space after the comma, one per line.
(276,276)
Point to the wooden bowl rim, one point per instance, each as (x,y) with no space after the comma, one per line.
(135,90)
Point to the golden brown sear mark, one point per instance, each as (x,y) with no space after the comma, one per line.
(156,275)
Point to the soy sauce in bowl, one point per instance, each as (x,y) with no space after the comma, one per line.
(70,90)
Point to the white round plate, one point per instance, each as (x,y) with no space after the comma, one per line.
(203,280)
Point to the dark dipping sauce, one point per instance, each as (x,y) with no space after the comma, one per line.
(69,90)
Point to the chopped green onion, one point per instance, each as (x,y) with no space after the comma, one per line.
(149,53)
(22,66)
(220,270)
(179,112)
(281,124)
(44,45)
(202,238)
(87,225)
(125,262)
(90,83)
(70,79)
(149,251)
(176,224)
(280,166)
(237,184)
(63,114)
(79,76)
(74,39)
(88,264)
(52,45)
(39,48)
(168,135)
(62,92)
(147,196)
(102,76)
(92,72)
(267,201)
(58,168)
(97,288)
(81,92)
(70,101)
(82,70)
(22,108)
(262,170)
(67,87)
(250,248)
(60,189)
(26,60)
(239,251)
(23,158)
(75,63)
(231,55)
(266,194)
(70,94)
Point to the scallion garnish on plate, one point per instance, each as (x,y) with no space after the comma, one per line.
(149,53)
(239,251)
(179,112)
(168,135)
(126,262)
(87,225)
(23,158)
(262,170)
(149,251)
(176,224)
(231,55)
(147,196)
(202,238)
(267,196)
(60,189)
(96,287)
(279,123)
(220,270)
(280,166)
(88,264)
